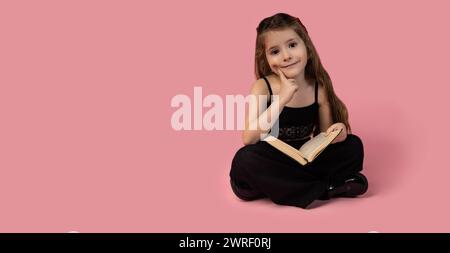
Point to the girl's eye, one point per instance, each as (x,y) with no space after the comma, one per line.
(294,44)
(274,52)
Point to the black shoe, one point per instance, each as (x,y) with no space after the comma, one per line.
(354,186)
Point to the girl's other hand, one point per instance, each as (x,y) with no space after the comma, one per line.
(336,126)
(287,89)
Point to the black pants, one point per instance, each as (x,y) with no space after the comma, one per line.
(259,170)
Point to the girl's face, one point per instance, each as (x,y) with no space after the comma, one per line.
(284,49)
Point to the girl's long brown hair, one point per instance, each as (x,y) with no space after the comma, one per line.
(314,69)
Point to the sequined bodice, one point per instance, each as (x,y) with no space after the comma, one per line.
(297,125)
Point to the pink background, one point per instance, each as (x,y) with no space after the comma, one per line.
(86,142)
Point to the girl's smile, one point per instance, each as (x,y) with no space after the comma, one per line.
(290,65)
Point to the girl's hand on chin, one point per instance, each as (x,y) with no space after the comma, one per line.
(288,87)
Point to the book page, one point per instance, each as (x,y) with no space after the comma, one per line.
(312,148)
(286,149)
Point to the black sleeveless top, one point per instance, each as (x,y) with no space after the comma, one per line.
(297,124)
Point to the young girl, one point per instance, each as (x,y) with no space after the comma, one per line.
(301,98)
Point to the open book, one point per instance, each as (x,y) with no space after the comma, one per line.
(308,151)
